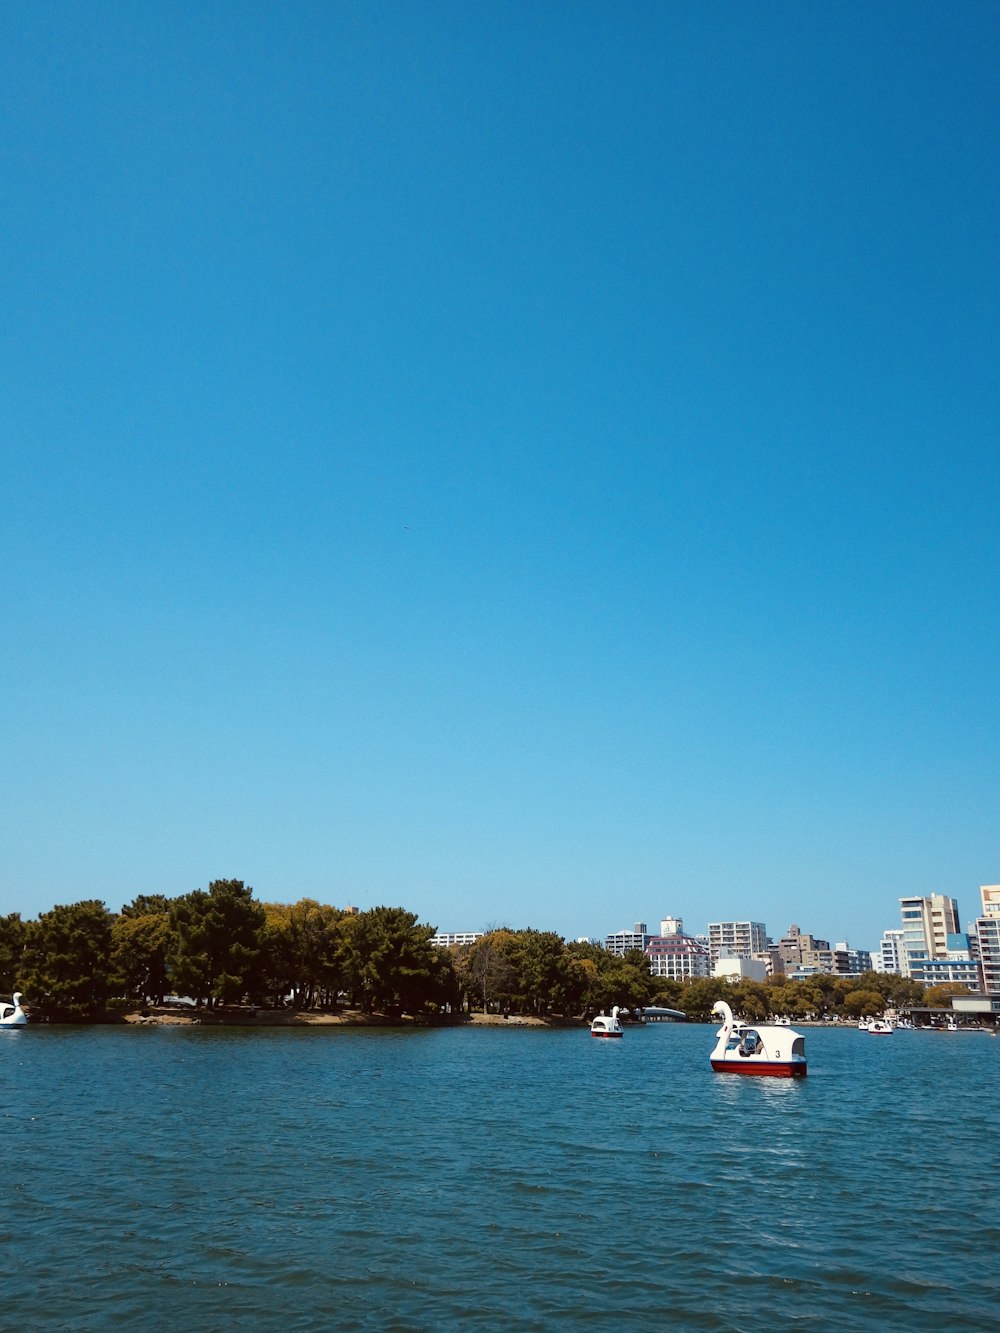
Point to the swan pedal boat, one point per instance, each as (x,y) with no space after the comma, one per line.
(12,1015)
(741,1049)
(603,1026)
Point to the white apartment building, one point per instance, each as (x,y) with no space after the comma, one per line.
(624,940)
(927,922)
(736,939)
(739,969)
(446,939)
(988,935)
(676,955)
(889,957)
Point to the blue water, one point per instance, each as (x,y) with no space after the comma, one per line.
(489,1179)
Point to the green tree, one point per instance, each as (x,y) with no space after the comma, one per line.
(13,934)
(217,942)
(799,1000)
(939,996)
(668,993)
(301,952)
(863,1003)
(544,978)
(485,969)
(67,961)
(390,965)
(146,904)
(700,994)
(752,1000)
(897,992)
(141,945)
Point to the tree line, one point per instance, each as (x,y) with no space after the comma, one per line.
(221,946)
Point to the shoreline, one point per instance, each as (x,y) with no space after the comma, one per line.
(234,1016)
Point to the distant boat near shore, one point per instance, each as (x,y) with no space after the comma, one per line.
(12,1015)
(605,1026)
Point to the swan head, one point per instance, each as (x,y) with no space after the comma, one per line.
(16,997)
(723,1010)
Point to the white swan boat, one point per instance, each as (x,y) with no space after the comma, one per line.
(12,1015)
(741,1049)
(604,1026)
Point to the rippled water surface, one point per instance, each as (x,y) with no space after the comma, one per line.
(488,1179)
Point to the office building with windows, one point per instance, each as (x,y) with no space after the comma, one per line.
(737,939)
(927,922)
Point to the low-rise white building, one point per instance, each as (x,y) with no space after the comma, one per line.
(739,969)
(446,939)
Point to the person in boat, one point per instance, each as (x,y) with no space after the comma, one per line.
(748,1046)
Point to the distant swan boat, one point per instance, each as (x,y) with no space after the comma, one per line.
(12,1015)
(603,1026)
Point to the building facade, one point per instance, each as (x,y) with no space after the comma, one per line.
(737,939)
(445,939)
(927,922)
(676,955)
(988,938)
(889,956)
(622,941)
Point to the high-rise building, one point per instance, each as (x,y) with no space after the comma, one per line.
(927,922)
(987,930)
(737,939)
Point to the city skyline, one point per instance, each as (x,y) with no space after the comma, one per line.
(504,461)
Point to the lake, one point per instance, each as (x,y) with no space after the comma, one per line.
(473,1179)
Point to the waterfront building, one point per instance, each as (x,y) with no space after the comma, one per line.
(938,971)
(622,941)
(446,939)
(676,955)
(987,1007)
(798,950)
(987,930)
(737,939)
(731,968)
(889,957)
(927,922)
(848,962)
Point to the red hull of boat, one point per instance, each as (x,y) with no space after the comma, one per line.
(776,1070)
(608,1035)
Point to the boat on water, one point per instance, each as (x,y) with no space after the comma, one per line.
(605,1025)
(879,1027)
(12,1015)
(741,1049)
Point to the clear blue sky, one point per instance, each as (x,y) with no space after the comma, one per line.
(527,463)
